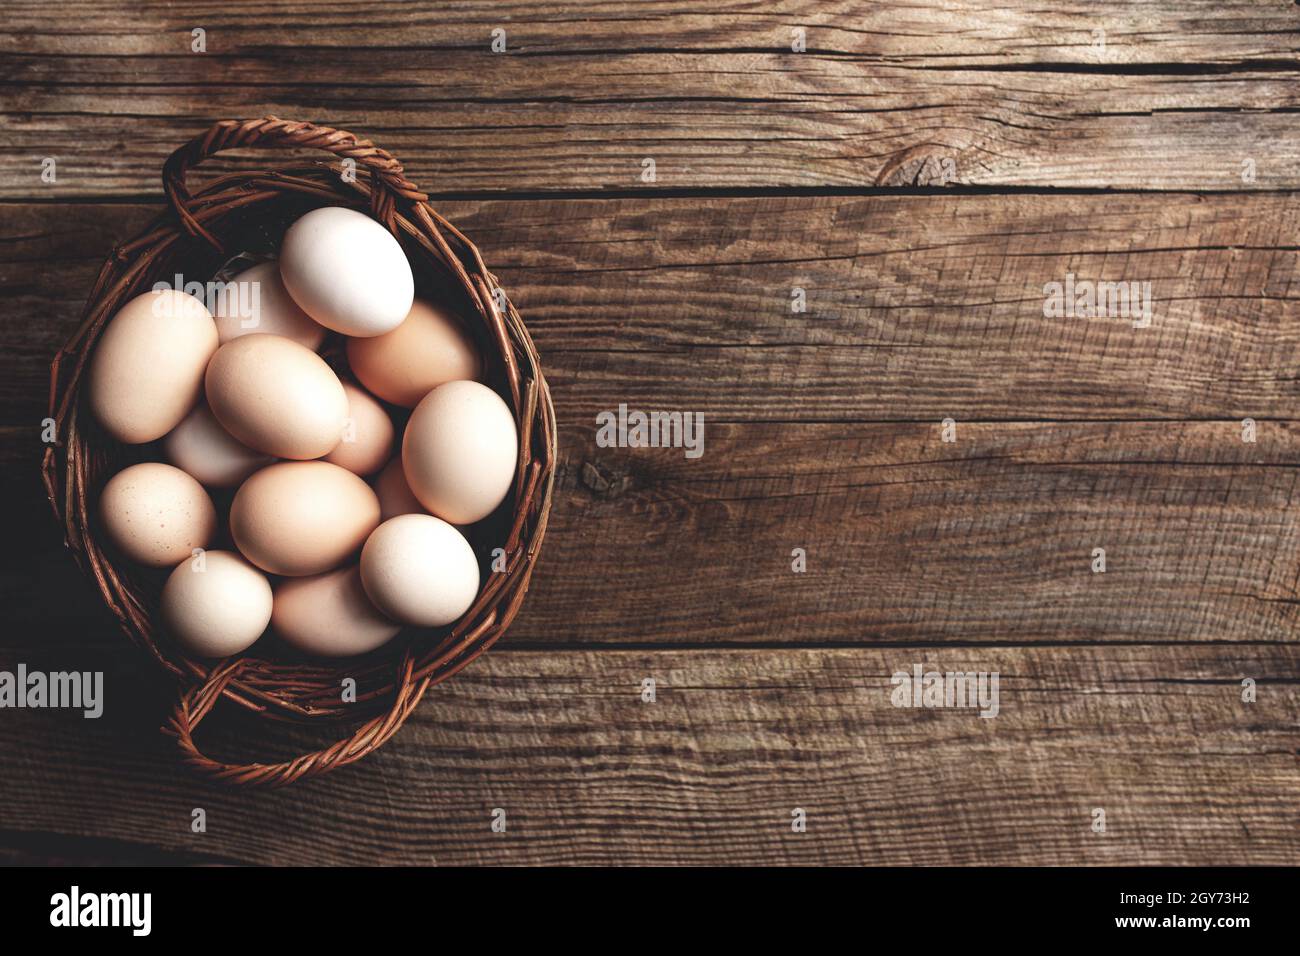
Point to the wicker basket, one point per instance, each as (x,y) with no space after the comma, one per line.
(194,237)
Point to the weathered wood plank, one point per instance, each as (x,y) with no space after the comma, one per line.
(822,428)
(918,308)
(1186,772)
(885,94)
(926,308)
(907,539)
(962,32)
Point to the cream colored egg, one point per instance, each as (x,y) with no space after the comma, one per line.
(146,372)
(302,517)
(367,434)
(257,301)
(216,604)
(277,396)
(459,451)
(156,514)
(395,495)
(430,347)
(200,447)
(347,272)
(329,615)
(420,570)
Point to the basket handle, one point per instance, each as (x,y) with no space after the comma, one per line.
(388,181)
(195,703)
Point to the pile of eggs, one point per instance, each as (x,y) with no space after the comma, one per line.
(338,539)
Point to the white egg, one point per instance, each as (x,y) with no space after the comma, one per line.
(347,272)
(419,570)
(216,604)
(201,448)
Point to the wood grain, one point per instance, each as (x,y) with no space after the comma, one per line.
(918,308)
(964,32)
(823,428)
(1180,95)
(907,540)
(904,173)
(589,774)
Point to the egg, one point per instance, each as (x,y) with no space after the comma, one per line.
(216,604)
(200,447)
(459,451)
(367,434)
(419,570)
(347,272)
(429,348)
(329,615)
(257,301)
(146,372)
(276,396)
(156,514)
(395,495)
(302,517)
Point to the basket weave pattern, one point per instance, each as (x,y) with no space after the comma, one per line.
(390,682)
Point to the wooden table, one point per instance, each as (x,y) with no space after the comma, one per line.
(921,172)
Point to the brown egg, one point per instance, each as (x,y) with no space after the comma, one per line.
(200,447)
(459,451)
(329,615)
(302,517)
(402,366)
(157,514)
(277,396)
(395,495)
(367,434)
(259,302)
(147,369)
